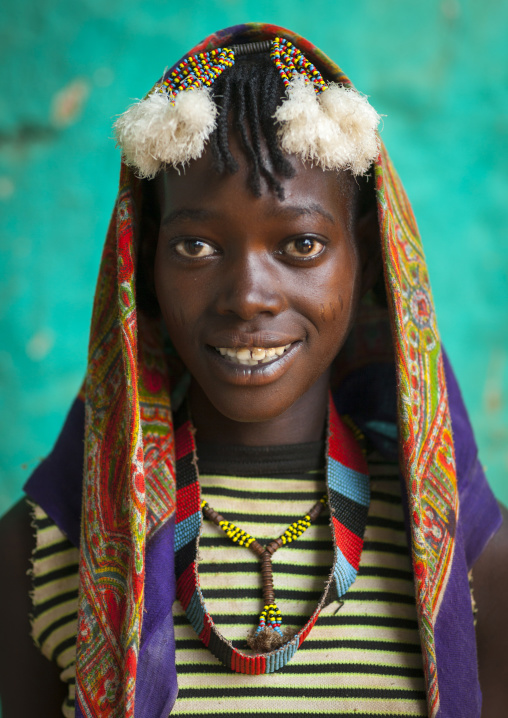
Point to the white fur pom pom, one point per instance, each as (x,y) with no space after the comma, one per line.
(356,122)
(194,121)
(335,129)
(134,135)
(155,131)
(300,119)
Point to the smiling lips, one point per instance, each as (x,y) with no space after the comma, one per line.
(253,356)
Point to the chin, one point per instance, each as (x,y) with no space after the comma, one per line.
(252,407)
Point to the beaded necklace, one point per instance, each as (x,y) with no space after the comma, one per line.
(348,497)
(269,633)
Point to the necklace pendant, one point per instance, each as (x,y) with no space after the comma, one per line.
(269,634)
(270,619)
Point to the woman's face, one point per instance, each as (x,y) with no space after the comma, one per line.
(258,294)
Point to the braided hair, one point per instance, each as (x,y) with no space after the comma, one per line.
(247,96)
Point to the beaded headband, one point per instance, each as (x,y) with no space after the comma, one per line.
(328,125)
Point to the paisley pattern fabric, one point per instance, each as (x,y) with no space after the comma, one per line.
(424,418)
(129,482)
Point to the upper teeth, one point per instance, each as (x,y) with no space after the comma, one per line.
(251,357)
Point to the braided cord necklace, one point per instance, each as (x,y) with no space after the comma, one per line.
(348,497)
(269,633)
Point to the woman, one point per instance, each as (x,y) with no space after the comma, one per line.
(242,278)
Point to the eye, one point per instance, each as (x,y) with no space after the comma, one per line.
(304,247)
(195,248)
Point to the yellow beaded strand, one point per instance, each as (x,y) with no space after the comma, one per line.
(297,528)
(236,534)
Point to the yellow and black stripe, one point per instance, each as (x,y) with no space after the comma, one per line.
(55,565)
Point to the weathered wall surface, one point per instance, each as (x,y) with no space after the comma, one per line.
(437,70)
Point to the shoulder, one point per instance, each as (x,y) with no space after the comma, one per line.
(490,581)
(29,683)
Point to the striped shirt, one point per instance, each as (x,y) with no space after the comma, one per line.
(55,564)
(362,658)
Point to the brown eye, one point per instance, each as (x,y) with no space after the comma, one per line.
(194,248)
(303,247)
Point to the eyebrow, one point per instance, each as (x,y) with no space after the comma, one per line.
(289,211)
(187,214)
(299,210)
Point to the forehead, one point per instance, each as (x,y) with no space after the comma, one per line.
(200,189)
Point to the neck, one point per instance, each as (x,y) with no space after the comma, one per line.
(304,421)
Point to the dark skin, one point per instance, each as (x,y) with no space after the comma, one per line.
(29,683)
(255,287)
(237,271)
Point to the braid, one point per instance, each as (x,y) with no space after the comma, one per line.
(224,160)
(255,127)
(242,119)
(247,96)
(271,100)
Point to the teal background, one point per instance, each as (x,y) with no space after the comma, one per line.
(437,70)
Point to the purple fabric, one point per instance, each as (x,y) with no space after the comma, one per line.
(459,689)
(479,519)
(368,396)
(56,483)
(479,516)
(156,683)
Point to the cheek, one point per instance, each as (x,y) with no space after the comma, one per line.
(337,296)
(172,310)
(176,312)
(331,311)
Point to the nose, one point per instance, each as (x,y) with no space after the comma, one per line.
(250,287)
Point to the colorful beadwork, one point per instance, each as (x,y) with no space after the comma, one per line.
(348,497)
(197,70)
(271,617)
(204,68)
(289,60)
(299,527)
(236,534)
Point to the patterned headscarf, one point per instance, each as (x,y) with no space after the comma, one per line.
(129,483)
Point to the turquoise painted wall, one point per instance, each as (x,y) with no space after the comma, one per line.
(439,72)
